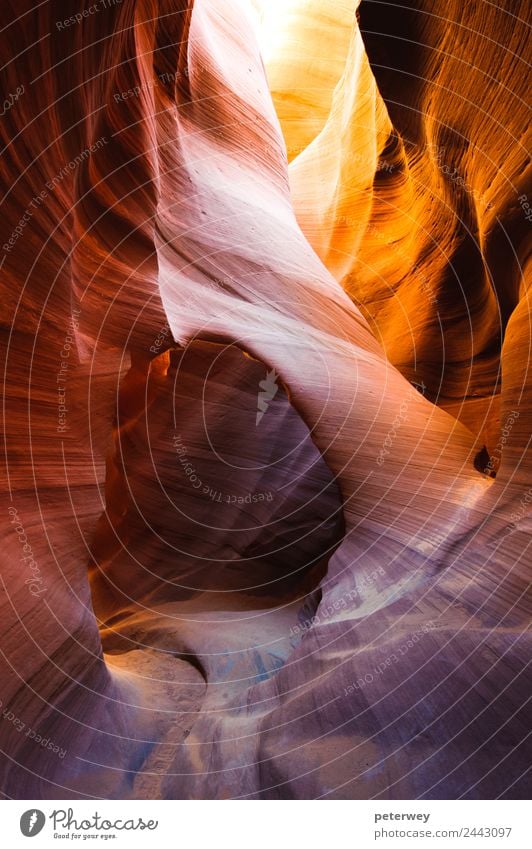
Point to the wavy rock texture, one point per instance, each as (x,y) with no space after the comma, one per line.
(268,483)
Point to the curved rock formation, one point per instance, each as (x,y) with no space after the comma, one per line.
(268,483)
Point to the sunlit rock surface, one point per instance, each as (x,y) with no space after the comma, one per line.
(266,337)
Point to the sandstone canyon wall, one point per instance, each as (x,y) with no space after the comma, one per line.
(266,334)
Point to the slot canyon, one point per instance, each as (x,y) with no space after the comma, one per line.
(267,401)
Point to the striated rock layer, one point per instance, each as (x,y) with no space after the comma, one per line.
(267,504)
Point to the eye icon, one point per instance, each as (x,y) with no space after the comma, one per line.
(32,822)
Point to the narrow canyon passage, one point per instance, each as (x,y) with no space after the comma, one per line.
(267,412)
